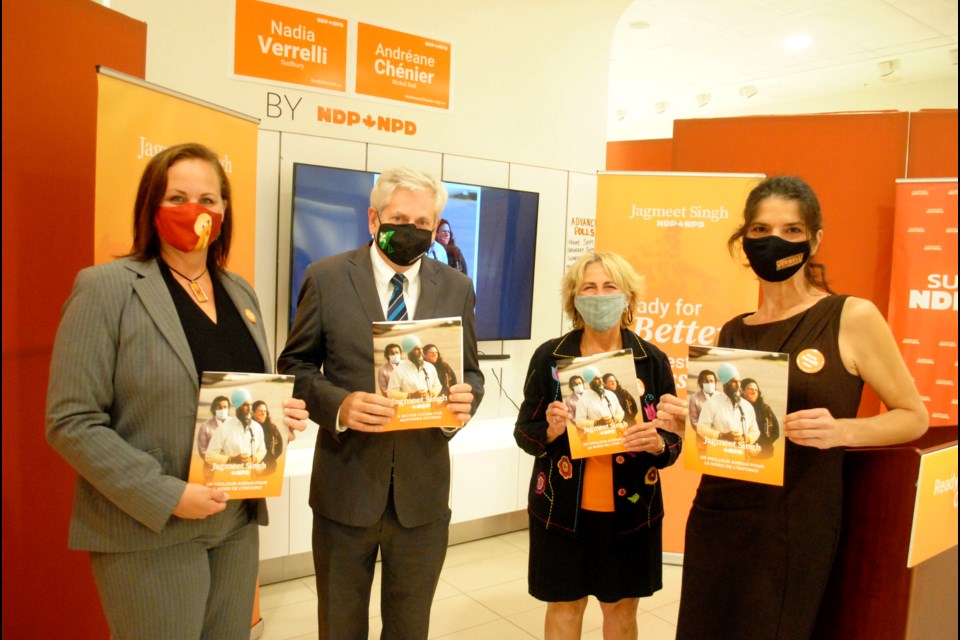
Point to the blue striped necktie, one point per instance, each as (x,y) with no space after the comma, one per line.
(397,309)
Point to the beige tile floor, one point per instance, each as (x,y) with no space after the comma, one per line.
(482,594)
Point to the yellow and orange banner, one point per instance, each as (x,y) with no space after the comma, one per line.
(923,291)
(283,44)
(403,67)
(137,120)
(673,229)
(935,512)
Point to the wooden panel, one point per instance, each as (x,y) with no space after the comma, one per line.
(872,594)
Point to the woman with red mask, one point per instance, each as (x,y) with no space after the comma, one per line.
(171,559)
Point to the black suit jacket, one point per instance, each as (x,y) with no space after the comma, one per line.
(330,351)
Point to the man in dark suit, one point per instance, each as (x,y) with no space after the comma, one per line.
(372,490)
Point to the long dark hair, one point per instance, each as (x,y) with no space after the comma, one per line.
(150,193)
(787,188)
(444,221)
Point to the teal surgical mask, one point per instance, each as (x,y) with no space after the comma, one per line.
(601,313)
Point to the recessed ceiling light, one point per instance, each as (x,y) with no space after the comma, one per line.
(639,25)
(797,42)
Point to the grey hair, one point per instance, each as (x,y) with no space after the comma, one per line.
(411,180)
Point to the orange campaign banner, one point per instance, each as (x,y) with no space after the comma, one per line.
(923,291)
(282,44)
(404,67)
(935,512)
(673,229)
(135,121)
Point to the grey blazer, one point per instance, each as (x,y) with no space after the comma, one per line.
(122,405)
(352,470)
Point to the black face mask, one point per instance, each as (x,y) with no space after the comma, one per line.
(403,244)
(774,259)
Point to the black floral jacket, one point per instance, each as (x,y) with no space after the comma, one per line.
(557,480)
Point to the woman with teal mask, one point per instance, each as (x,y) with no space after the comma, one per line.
(595,523)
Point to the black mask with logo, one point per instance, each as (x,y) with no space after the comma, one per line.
(403,244)
(774,259)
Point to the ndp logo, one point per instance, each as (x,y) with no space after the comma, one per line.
(379,123)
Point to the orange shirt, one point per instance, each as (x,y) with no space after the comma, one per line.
(598,484)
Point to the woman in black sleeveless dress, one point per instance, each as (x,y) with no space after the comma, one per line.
(757,557)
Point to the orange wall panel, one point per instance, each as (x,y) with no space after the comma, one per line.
(851,160)
(640,155)
(49,134)
(933,144)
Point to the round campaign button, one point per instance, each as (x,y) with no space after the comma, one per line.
(810,361)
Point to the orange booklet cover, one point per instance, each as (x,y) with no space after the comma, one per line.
(737,400)
(240,441)
(415,363)
(598,391)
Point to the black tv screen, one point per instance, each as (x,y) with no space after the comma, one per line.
(495,229)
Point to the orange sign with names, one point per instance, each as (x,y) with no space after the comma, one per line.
(403,67)
(282,44)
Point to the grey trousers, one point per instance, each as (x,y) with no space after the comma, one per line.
(345,558)
(203,588)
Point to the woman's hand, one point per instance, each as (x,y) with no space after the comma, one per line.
(557,416)
(294,415)
(814,428)
(643,438)
(672,414)
(197,502)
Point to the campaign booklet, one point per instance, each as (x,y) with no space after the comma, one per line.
(603,395)
(240,441)
(737,400)
(415,364)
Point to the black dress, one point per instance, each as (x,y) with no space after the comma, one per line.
(757,557)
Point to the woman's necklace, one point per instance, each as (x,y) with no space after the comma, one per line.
(198,291)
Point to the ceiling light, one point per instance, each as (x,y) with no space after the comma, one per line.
(888,67)
(797,42)
(662,106)
(703,99)
(748,91)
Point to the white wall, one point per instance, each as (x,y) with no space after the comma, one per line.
(529,80)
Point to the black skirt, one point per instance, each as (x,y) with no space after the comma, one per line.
(597,562)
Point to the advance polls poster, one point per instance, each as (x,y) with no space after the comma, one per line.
(135,121)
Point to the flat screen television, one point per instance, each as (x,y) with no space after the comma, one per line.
(495,229)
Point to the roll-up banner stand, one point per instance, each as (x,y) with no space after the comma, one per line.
(135,121)
(923,290)
(673,228)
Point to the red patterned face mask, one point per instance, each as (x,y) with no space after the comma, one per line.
(188,227)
